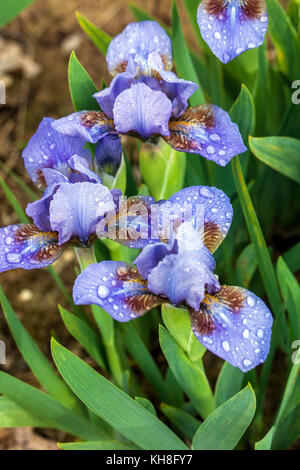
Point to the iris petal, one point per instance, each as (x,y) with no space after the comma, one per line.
(136,42)
(235,325)
(76,209)
(142,110)
(208,131)
(48,148)
(117,287)
(90,126)
(25,246)
(230,28)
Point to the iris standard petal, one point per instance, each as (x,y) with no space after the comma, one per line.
(232,27)
(137,41)
(208,131)
(142,110)
(208,208)
(47,148)
(117,287)
(184,277)
(235,325)
(151,256)
(90,126)
(76,209)
(25,246)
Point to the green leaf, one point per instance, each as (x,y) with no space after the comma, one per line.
(113,405)
(140,353)
(162,169)
(12,416)
(120,178)
(288,431)
(146,404)
(24,186)
(143,15)
(34,357)
(48,409)
(280,153)
(290,290)
(292,258)
(85,335)
(191,378)
(224,428)
(14,202)
(229,383)
(81,86)
(9,9)
(184,422)
(96,445)
(284,37)
(98,37)
(178,322)
(191,7)
(246,265)
(185,67)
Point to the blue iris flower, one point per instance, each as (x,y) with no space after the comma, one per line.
(146,99)
(230,321)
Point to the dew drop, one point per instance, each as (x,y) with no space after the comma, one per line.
(103,292)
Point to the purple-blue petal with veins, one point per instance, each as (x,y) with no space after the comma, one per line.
(150,256)
(142,110)
(230,28)
(107,97)
(177,89)
(209,209)
(185,277)
(48,148)
(90,126)
(235,325)
(136,42)
(25,246)
(117,287)
(76,208)
(208,131)
(81,171)
(39,209)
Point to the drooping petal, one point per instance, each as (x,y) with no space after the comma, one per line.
(76,209)
(142,110)
(184,277)
(208,208)
(117,287)
(48,148)
(137,41)
(177,89)
(235,325)
(90,126)
(233,27)
(81,171)
(39,209)
(25,246)
(108,154)
(208,131)
(150,257)
(107,97)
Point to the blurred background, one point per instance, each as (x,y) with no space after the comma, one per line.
(34,54)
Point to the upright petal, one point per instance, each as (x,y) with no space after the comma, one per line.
(90,126)
(48,148)
(76,209)
(232,27)
(25,246)
(208,131)
(184,277)
(108,154)
(81,171)
(210,210)
(137,41)
(117,287)
(142,110)
(235,325)
(151,256)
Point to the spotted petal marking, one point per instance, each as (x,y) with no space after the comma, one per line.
(232,27)
(235,325)
(208,131)
(117,287)
(88,125)
(25,246)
